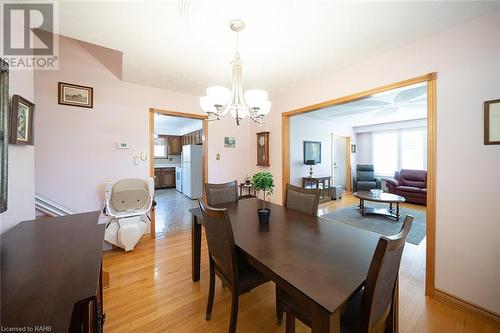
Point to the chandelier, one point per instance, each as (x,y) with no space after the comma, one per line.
(220,100)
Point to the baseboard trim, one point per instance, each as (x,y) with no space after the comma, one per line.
(457,302)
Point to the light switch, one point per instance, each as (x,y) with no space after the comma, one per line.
(144,156)
(217,156)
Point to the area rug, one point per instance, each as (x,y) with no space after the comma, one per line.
(381,224)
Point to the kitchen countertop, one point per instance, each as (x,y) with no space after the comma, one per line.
(167,166)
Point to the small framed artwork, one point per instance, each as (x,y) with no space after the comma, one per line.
(229,142)
(492,122)
(312,151)
(75,95)
(21,121)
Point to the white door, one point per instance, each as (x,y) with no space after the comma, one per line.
(339,161)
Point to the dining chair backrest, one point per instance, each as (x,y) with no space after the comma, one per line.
(221,193)
(381,278)
(301,199)
(220,239)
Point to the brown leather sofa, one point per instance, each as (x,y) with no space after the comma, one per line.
(410,184)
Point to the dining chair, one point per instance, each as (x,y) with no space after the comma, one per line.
(221,193)
(226,262)
(302,199)
(368,309)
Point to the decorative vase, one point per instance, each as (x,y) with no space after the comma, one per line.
(264,214)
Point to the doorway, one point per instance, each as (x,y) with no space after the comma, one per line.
(341,161)
(179,166)
(430,80)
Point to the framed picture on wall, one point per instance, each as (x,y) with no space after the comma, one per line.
(229,142)
(75,95)
(312,151)
(492,122)
(21,121)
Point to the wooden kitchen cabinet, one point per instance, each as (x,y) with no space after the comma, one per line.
(193,138)
(174,145)
(164,177)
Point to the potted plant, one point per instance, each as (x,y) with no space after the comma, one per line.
(263,181)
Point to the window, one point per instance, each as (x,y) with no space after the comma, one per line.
(160,147)
(400,149)
(385,152)
(412,149)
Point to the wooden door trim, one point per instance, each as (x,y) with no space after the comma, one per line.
(202,117)
(431,155)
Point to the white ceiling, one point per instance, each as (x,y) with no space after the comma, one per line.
(168,125)
(186,45)
(407,103)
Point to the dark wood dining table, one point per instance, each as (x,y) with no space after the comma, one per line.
(320,262)
(51,273)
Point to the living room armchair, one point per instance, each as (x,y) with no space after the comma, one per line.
(410,184)
(365,179)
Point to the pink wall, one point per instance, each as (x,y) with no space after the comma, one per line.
(467,59)
(21,168)
(76,147)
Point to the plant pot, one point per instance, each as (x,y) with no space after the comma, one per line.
(264,214)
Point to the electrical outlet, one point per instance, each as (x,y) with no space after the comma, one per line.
(217,156)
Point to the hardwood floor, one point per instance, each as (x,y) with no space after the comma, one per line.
(151,291)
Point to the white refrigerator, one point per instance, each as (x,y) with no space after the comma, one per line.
(192,168)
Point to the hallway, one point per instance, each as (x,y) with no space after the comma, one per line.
(172,211)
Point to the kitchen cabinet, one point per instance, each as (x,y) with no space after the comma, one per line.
(193,138)
(174,145)
(164,177)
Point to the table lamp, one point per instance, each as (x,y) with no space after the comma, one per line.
(310,163)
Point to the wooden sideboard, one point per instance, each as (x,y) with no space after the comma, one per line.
(51,271)
(321,182)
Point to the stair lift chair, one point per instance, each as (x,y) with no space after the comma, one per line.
(127,204)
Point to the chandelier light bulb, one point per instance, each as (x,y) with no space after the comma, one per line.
(256,97)
(219,95)
(264,108)
(206,104)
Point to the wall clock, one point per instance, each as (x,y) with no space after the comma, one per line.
(263,149)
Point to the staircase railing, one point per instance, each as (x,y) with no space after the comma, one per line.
(49,207)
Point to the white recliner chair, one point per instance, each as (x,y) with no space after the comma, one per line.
(127,202)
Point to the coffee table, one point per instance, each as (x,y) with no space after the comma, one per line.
(383,197)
